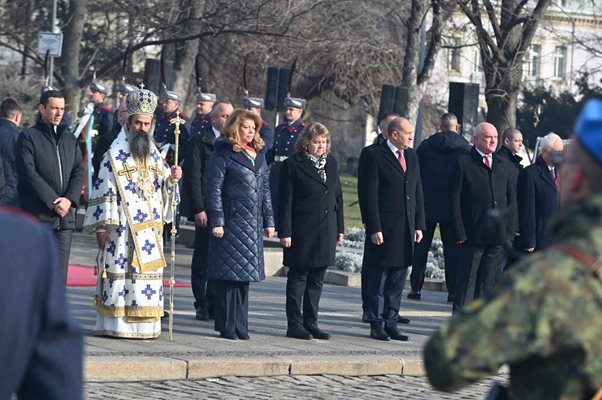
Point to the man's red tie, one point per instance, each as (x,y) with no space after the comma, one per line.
(487,162)
(402,160)
(556,178)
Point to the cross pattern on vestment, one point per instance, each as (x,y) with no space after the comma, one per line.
(161,293)
(105,296)
(156,156)
(141,216)
(120,230)
(97,183)
(155,170)
(131,187)
(124,292)
(127,171)
(148,291)
(148,247)
(109,192)
(97,212)
(121,261)
(122,156)
(134,304)
(111,248)
(107,164)
(156,213)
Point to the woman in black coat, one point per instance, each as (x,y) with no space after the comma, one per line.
(240,213)
(310,223)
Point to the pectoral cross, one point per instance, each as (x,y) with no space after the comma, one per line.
(127,171)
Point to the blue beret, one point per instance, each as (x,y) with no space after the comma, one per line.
(588,128)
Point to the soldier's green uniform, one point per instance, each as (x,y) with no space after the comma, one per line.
(544,321)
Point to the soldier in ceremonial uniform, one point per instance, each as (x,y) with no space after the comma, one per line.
(204,105)
(544,319)
(164,130)
(103,117)
(255,105)
(285,138)
(124,90)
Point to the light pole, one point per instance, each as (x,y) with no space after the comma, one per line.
(53,30)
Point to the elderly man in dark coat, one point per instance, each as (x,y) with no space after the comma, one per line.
(482,181)
(240,211)
(391,203)
(538,187)
(310,223)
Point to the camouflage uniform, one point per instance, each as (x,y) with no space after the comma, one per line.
(544,321)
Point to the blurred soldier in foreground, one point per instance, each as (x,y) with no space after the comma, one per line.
(544,319)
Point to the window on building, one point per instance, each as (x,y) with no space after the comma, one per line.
(535,61)
(560,61)
(453,55)
(476,61)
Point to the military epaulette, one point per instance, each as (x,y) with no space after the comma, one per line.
(264,123)
(106,108)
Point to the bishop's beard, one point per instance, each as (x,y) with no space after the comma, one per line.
(140,144)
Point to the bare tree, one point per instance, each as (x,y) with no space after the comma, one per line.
(504,34)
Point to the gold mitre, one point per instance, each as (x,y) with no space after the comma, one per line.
(141,101)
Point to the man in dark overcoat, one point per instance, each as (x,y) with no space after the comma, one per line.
(10,119)
(392,208)
(436,154)
(41,346)
(195,185)
(482,182)
(538,187)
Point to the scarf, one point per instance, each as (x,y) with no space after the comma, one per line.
(320,165)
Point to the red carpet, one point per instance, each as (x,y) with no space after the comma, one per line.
(83,275)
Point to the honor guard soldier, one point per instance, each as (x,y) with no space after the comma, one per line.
(164,130)
(255,105)
(204,104)
(285,138)
(103,116)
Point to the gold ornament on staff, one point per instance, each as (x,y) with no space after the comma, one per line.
(177,121)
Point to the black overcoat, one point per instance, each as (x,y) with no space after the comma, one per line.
(391,202)
(537,203)
(310,211)
(475,190)
(195,169)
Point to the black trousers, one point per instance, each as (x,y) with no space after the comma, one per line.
(304,288)
(364,283)
(63,239)
(478,271)
(231,306)
(385,285)
(201,287)
(421,252)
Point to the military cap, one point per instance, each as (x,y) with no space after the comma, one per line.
(99,87)
(206,97)
(589,128)
(141,101)
(294,102)
(47,88)
(171,95)
(126,88)
(252,102)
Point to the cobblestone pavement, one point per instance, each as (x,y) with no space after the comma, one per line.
(285,387)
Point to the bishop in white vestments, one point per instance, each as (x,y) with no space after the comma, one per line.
(130,203)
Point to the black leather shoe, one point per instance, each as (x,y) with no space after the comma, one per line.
(298,332)
(402,320)
(414,295)
(202,314)
(379,334)
(394,334)
(317,333)
(366,318)
(243,335)
(228,335)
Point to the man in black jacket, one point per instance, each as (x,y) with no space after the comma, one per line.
(51,175)
(10,118)
(195,184)
(482,183)
(392,208)
(436,154)
(538,188)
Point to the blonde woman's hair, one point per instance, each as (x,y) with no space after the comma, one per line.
(313,130)
(233,124)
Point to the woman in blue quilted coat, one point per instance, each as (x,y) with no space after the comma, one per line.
(240,213)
